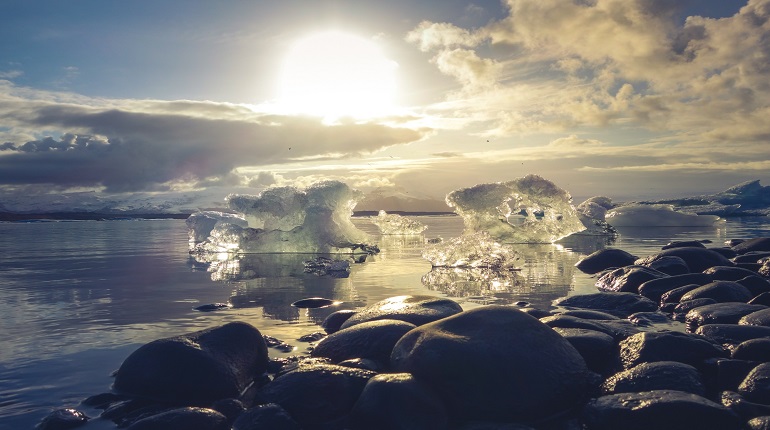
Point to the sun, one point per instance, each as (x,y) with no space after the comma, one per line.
(336,74)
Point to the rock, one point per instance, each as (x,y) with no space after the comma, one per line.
(742,407)
(597,349)
(371,339)
(729,273)
(627,279)
(721,291)
(756,386)
(334,321)
(587,314)
(683,244)
(759,423)
(669,265)
(659,410)
(719,313)
(697,259)
(731,333)
(417,310)
(268,416)
(755,284)
(317,393)
(659,375)
(726,252)
(648,319)
(230,408)
(398,401)
(760,317)
(685,348)
(604,259)
(655,288)
(761,299)
(758,244)
(751,257)
(676,294)
(197,368)
(63,419)
(682,308)
(495,363)
(188,418)
(618,304)
(482,425)
(753,350)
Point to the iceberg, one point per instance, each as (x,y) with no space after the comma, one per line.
(288,220)
(593,213)
(525,210)
(393,224)
(656,215)
(471,250)
(201,224)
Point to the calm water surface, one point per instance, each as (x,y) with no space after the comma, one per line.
(78,297)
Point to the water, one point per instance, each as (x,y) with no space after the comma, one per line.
(78,297)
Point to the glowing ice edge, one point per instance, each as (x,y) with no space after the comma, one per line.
(286,219)
(394,224)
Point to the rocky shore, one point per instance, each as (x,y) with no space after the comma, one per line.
(675,340)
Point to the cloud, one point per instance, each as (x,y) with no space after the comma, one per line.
(146,145)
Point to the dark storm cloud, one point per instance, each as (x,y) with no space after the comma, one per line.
(143,151)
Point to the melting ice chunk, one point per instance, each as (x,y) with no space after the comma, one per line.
(397,225)
(288,219)
(592,213)
(525,210)
(200,224)
(657,215)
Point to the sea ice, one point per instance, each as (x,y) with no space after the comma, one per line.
(525,210)
(200,224)
(592,214)
(291,220)
(656,215)
(471,250)
(393,224)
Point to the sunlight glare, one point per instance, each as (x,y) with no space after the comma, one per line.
(335,74)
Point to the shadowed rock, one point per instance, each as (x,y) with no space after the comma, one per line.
(495,363)
(731,333)
(697,259)
(719,313)
(685,348)
(627,279)
(655,288)
(721,291)
(372,339)
(618,304)
(183,419)
(660,375)
(417,310)
(604,259)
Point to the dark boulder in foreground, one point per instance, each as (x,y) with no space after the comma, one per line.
(495,363)
(756,386)
(63,419)
(756,244)
(417,310)
(668,346)
(317,393)
(268,416)
(373,340)
(719,313)
(659,410)
(398,401)
(196,368)
(731,333)
(604,259)
(720,291)
(627,279)
(618,304)
(655,289)
(183,419)
(753,350)
(697,259)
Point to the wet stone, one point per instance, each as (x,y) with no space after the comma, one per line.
(719,313)
(669,265)
(267,416)
(660,375)
(597,349)
(372,339)
(729,273)
(754,350)
(416,310)
(675,295)
(685,348)
(697,259)
(742,407)
(682,308)
(759,423)
(760,317)
(655,288)
(732,333)
(721,291)
(334,321)
(604,259)
(756,386)
(188,418)
(627,279)
(618,304)
(683,244)
(755,284)
(757,244)
(659,410)
(63,419)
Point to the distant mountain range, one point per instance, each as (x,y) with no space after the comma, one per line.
(93,205)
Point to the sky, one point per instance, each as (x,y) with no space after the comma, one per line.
(631,99)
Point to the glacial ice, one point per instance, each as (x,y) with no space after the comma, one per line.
(656,215)
(592,214)
(525,210)
(471,250)
(289,220)
(394,224)
(200,224)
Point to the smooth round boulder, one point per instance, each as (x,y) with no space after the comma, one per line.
(618,304)
(655,288)
(372,339)
(756,386)
(63,419)
(719,313)
(697,259)
(683,244)
(267,416)
(597,349)
(627,279)
(334,321)
(753,350)
(728,273)
(683,308)
(761,299)
(755,284)
(760,317)
(732,333)
(417,310)
(669,265)
(314,394)
(757,244)
(659,410)
(759,423)
(495,363)
(659,375)
(676,294)
(398,401)
(196,368)
(742,407)
(604,259)
(646,347)
(188,418)
(721,291)
(588,314)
